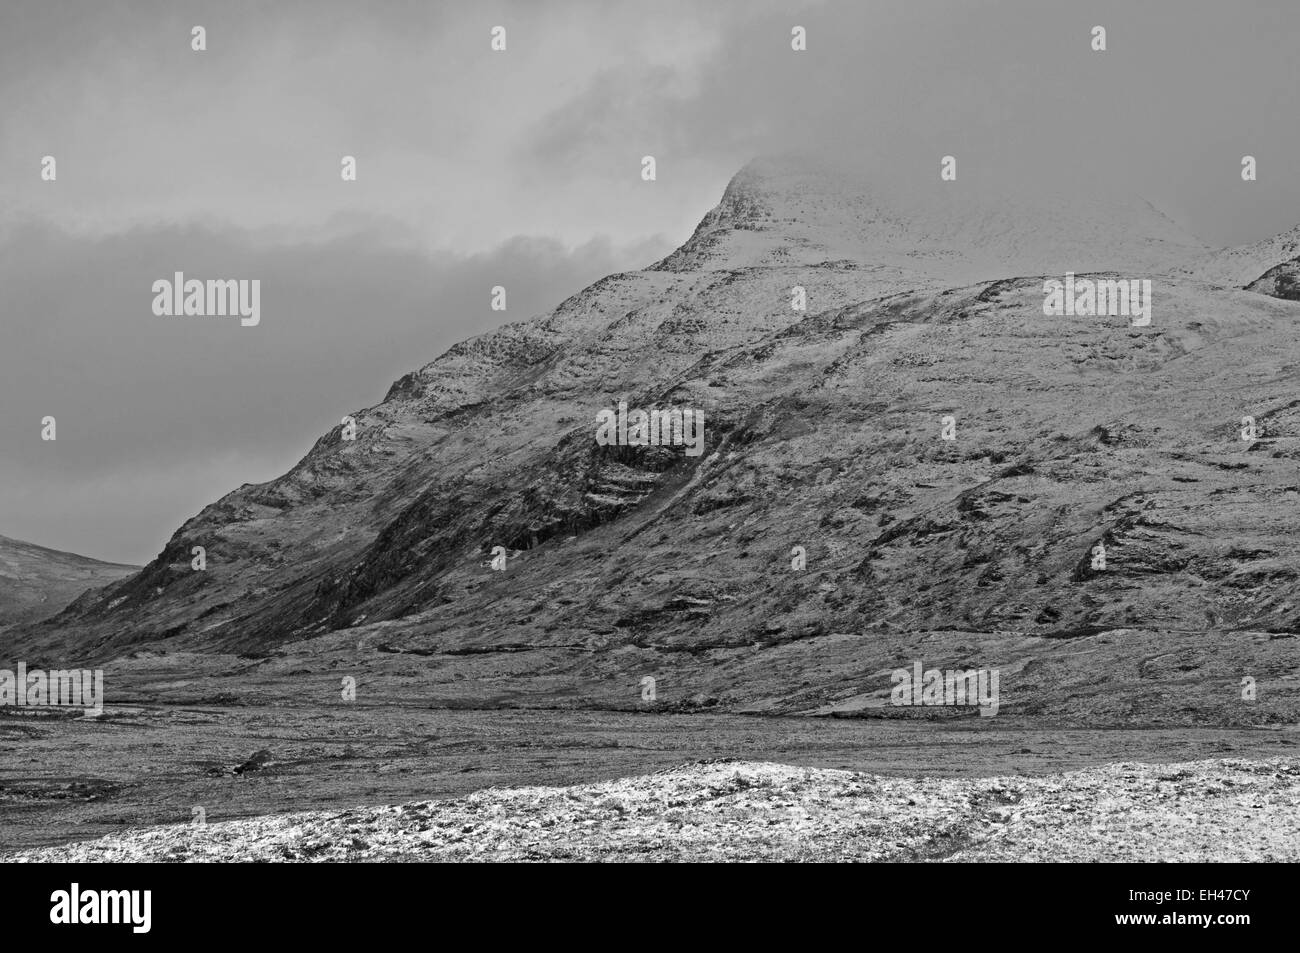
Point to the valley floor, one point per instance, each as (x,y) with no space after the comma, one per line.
(517,783)
(1213,810)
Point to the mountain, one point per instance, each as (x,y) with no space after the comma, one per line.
(36,582)
(823,431)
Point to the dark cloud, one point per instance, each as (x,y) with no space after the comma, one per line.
(226,164)
(158,415)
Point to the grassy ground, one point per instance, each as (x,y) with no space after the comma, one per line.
(67,779)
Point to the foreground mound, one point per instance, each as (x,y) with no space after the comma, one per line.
(1216,810)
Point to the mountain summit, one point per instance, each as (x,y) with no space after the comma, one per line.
(919,466)
(782,211)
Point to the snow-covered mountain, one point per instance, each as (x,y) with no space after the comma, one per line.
(823,438)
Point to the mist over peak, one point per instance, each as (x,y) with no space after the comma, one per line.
(800,209)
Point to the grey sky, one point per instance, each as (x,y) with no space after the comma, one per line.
(520,169)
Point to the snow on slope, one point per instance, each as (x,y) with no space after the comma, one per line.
(1216,810)
(1241,265)
(803,211)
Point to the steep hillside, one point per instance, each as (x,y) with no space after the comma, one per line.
(823,431)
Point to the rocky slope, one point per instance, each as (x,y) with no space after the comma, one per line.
(1280,281)
(36,582)
(1223,810)
(823,432)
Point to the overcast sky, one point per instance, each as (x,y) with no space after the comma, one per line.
(519,168)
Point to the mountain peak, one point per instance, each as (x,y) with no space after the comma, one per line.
(802,210)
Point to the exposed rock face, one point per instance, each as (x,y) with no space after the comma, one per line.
(1280,281)
(35,582)
(823,431)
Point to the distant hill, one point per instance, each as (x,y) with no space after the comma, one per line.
(1242,265)
(36,582)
